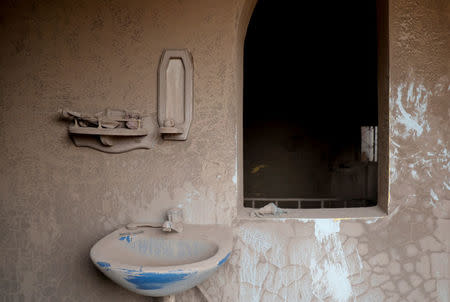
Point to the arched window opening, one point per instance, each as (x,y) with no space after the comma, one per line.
(311,105)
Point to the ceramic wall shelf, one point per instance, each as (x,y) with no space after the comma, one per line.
(111,130)
(175,94)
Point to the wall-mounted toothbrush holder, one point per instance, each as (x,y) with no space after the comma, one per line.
(111,130)
(175,94)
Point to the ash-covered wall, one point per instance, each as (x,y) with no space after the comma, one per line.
(57,200)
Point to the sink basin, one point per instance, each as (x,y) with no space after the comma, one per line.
(154,263)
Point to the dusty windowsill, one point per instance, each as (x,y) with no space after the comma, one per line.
(366,213)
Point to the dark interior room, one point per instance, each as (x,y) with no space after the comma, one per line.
(310,84)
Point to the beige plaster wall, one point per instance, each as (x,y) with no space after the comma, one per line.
(57,200)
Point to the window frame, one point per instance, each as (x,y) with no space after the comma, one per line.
(383,84)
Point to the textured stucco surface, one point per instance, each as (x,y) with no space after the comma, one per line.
(56,200)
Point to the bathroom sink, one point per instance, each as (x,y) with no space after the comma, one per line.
(154,263)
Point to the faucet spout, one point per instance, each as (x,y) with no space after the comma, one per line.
(169,226)
(174,222)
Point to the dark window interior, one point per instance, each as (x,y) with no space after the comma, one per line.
(310,84)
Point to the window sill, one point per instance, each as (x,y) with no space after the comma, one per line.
(307,214)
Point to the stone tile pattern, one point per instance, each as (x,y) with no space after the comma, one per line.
(56,200)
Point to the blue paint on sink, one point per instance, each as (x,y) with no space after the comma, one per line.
(156,280)
(127,238)
(224,259)
(104,265)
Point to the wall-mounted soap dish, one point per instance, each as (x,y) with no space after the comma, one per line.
(111,130)
(175,93)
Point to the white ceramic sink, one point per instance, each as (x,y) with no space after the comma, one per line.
(154,263)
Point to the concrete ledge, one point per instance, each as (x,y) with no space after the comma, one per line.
(301,214)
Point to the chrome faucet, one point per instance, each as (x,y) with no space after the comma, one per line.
(174,221)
